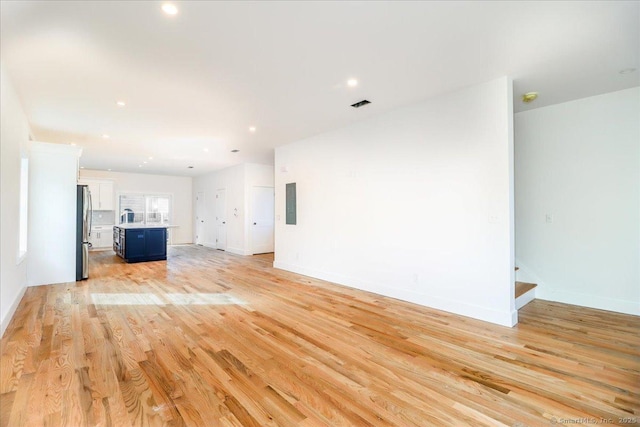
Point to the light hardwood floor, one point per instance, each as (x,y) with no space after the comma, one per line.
(212,339)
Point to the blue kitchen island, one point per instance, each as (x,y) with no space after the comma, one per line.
(138,243)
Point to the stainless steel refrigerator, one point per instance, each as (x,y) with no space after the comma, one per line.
(84,211)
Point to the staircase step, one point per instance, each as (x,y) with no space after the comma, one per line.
(524,287)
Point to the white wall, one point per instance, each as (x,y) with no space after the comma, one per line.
(237,182)
(179,187)
(580,162)
(53,171)
(416,204)
(14,136)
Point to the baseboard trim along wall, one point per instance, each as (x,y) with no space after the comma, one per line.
(586,300)
(12,311)
(236,251)
(508,319)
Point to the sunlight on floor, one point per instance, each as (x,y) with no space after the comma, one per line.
(203,299)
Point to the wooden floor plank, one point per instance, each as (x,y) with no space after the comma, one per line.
(210,338)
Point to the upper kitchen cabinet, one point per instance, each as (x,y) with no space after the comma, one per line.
(102,198)
(106,199)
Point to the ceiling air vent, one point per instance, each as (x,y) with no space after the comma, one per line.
(361,103)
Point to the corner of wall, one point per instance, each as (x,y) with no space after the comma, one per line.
(8,316)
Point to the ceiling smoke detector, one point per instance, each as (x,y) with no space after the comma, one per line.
(361,103)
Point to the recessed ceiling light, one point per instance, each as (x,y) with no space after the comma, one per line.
(81,167)
(109,169)
(206,150)
(627,71)
(145,162)
(73,143)
(169,9)
(529,97)
(150,158)
(234,151)
(139,166)
(121,103)
(352,83)
(105,136)
(252,129)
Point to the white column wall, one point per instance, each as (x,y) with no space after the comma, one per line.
(53,174)
(14,136)
(416,204)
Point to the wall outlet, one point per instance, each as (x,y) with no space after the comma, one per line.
(548,218)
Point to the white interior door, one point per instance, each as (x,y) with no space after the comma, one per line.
(221,219)
(200,226)
(262,219)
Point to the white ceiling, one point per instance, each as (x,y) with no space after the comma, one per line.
(200,79)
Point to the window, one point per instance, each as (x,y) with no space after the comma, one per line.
(157,210)
(24,205)
(145,208)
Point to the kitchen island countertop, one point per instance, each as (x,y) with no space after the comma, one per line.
(136,226)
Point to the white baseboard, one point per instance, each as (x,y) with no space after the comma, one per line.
(507,318)
(230,249)
(588,300)
(12,310)
(238,251)
(525,298)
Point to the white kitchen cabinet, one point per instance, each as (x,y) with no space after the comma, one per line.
(101,236)
(94,189)
(102,198)
(106,202)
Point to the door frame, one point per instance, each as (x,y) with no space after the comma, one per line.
(200,210)
(251,218)
(224,220)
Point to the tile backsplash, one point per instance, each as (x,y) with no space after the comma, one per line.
(103,217)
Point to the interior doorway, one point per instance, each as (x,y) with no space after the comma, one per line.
(262,219)
(221,219)
(200,228)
